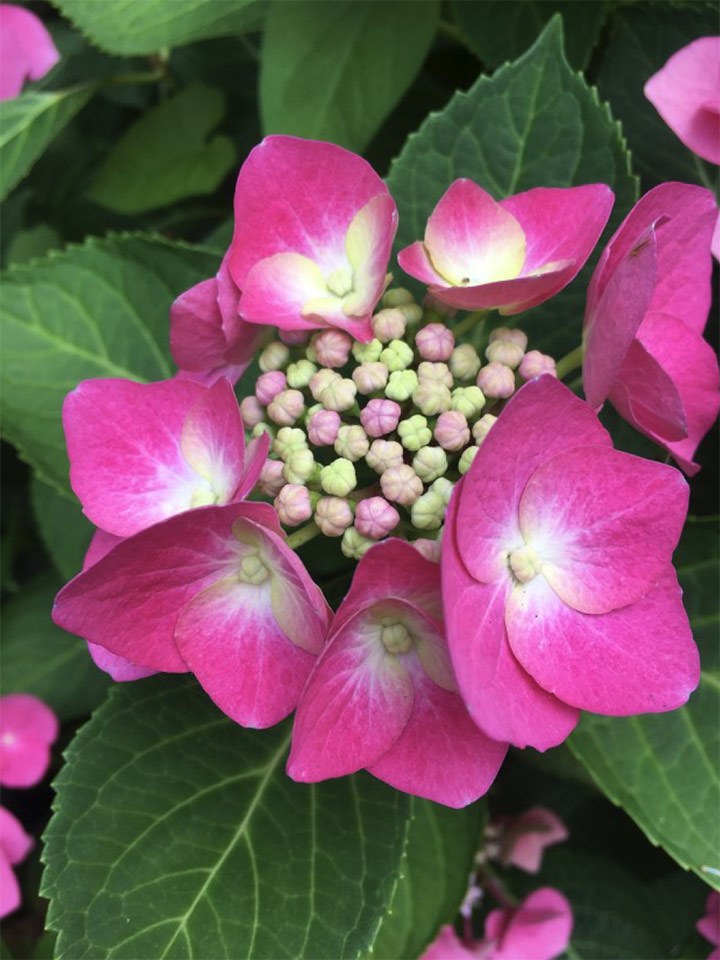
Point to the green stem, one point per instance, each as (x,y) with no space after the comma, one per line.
(471,322)
(571,361)
(303,535)
(702,173)
(120,79)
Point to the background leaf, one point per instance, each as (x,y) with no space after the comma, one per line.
(663,768)
(64,529)
(28,124)
(245,863)
(334,71)
(100,310)
(130,27)
(167,155)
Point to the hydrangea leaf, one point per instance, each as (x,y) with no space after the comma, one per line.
(245,863)
(663,768)
(98,310)
(130,28)
(549,129)
(28,124)
(167,155)
(64,529)
(37,657)
(334,71)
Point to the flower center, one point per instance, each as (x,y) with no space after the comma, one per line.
(395,636)
(252,569)
(340,281)
(202,497)
(524,564)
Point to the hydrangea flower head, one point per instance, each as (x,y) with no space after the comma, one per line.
(480,254)
(27,51)
(15,845)
(314,225)
(558,585)
(28,728)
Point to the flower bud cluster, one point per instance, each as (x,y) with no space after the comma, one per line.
(369,439)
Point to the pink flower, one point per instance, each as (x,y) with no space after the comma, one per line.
(686,94)
(15,845)
(215,591)
(208,338)
(523,839)
(27,51)
(512,255)
(558,585)
(448,946)
(28,728)
(314,225)
(647,305)
(140,453)
(383,696)
(708,926)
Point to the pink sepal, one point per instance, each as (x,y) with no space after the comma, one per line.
(27,51)
(447,946)
(708,925)
(28,728)
(15,844)
(539,929)
(524,838)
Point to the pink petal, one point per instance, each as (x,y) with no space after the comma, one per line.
(715,243)
(440,755)
(708,926)
(647,394)
(447,946)
(604,524)
(197,340)
(539,929)
(27,51)
(638,659)
(685,92)
(212,440)
(255,455)
(415,261)
(15,843)
(524,838)
(27,729)
(278,288)
(368,245)
(542,419)
(503,700)
(9,888)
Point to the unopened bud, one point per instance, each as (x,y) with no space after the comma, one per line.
(370,377)
(412,312)
(535,364)
(286,408)
(380,417)
(467,458)
(332,347)
(401,385)
(482,428)
(430,372)
(388,325)
(274,356)
(338,395)
(269,385)
(496,381)
(414,432)
(384,454)
(464,362)
(294,338)
(320,380)
(333,515)
(338,478)
(299,466)
(444,487)
(396,297)
(504,351)
(509,334)
(367,352)
(352,442)
(293,505)
(375,518)
(435,342)
(428,511)
(468,400)
(260,428)
(251,411)
(430,549)
(288,440)
(429,463)
(354,545)
(323,426)
(300,374)
(397,355)
(271,477)
(432,398)
(401,485)
(452,431)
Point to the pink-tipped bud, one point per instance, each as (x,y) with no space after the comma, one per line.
(322,427)
(429,372)
(320,380)
(430,549)
(332,348)
(384,454)
(435,342)
(269,385)
(432,398)
(251,412)
(389,325)
(370,377)
(271,478)
(286,407)
(452,431)
(376,518)
(274,356)
(401,485)
(482,428)
(505,351)
(535,364)
(293,504)
(333,515)
(338,395)
(380,417)
(352,442)
(509,334)
(464,362)
(294,338)
(496,381)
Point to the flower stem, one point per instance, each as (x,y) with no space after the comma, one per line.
(303,535)
(571,361)
(471,321)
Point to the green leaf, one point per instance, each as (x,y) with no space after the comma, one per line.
(32,243)
(64,529)
(37,657)
(99,310)
(441,847)
(178,834)
(535,123)
(167,155)
(27,125)
(334,71)
(498,31)
(663,768)
(128,27)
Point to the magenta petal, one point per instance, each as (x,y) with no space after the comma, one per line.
(523,839)
(440,755)
(415,261)
(197,340)
(255,455)
(212,440)
(27,51)
(15,843)
(9,888)
(27,729)
(652,398)
(539,929)
(604,524)
(638,659)
(447,946)
(543,418)
(685,94)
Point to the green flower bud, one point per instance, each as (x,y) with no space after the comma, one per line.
(428,511)
(482,428)
(467,400)
(289,440)
(401,385)
(397,355)
(367,352)
(467,458)
(299,374)
(384,454)
(352,442)
(274,356)
(338,478)
(432,398)
(260,428)
(413,313)
(434,371)
(338,395)
(320,380)
(414,432)
(429,463)
(464,362)
(299,466)
(444,487)
(397,297)
(354,544)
